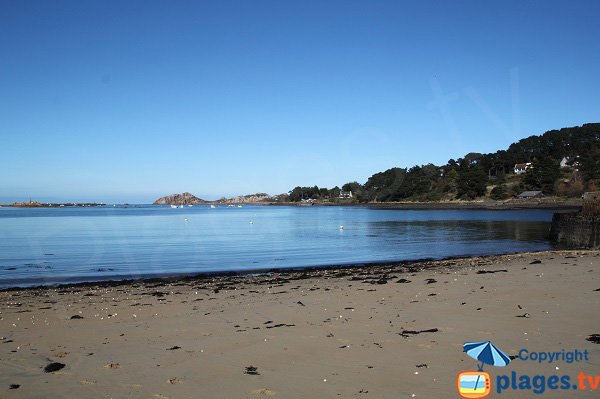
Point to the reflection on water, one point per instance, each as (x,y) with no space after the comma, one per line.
(460,230)
(44,246)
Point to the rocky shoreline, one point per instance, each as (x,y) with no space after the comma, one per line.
(373,273)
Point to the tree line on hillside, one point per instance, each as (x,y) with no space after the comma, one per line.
(471,176)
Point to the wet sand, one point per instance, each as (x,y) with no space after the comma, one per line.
(392,331)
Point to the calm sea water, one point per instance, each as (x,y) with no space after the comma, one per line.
(47,246)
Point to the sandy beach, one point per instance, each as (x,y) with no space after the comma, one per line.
(393,331)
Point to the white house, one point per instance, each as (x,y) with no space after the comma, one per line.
(570,162)
(345,194)
(521,168)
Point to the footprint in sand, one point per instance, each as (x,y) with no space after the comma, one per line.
(262,392)
(87,382)
(112,366)
(175,380)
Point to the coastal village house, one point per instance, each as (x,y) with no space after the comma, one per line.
(521,168)
(570,162)
(530,194)
(345,194)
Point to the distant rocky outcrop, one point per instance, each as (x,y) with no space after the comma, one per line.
(180,199)
(254,199)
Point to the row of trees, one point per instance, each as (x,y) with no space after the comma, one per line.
(305,193)
(468,177)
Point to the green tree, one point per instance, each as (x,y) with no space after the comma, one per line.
(590,167)
(296,194)
(334,192)
(352,186)
(500,192)
(542,175)
(471,182)
(358,191)
(300,193)
(381,186)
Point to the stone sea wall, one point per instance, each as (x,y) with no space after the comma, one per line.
(573,230)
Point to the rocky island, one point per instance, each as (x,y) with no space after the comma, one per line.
(180,199)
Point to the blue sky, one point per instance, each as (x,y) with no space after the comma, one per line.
(131,100)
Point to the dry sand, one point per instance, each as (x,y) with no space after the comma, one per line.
(338,333)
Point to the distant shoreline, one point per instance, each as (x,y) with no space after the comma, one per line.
(546,203)
(511,205)
(52,205)
(549,203)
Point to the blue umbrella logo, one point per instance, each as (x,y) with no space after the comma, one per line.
(486,353)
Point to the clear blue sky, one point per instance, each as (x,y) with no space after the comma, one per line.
(130,100)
